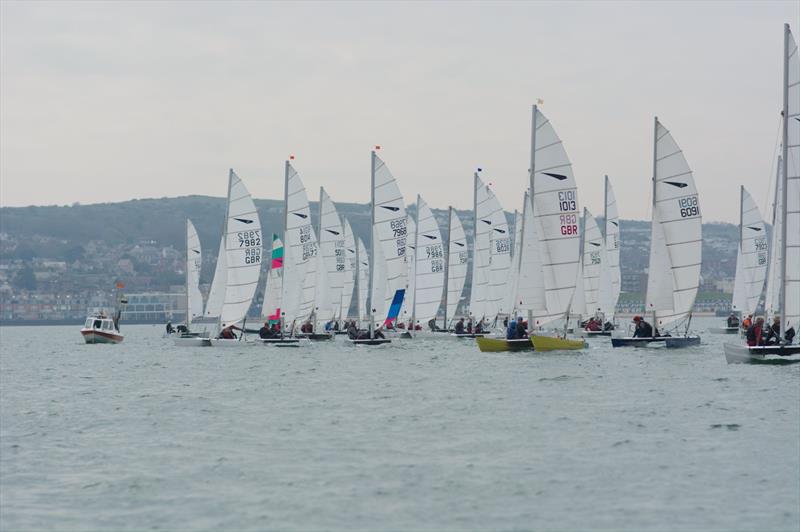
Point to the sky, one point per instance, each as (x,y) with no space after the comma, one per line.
(109,101)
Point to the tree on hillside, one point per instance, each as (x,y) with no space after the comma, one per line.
(24,278)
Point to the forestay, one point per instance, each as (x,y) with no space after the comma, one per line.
(676,242)
(555,210)
(243,248)
(194,261)
(751,258)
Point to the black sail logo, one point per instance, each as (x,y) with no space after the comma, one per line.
(301,215)
(754,228)
(390,208)
(243,220)
(560,177)
(677,184)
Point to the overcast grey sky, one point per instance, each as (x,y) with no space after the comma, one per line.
(113,101)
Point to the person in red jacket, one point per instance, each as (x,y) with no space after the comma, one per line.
(755,334)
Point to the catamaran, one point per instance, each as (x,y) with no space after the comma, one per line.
(675,246)
(243,249)
(194,298)
(783,289)
(751,261)
(428,270)
(388,268)
(455,273)
(330,269)
(595,287)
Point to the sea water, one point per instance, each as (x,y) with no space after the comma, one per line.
(417,435)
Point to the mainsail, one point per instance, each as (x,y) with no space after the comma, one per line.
(429,269)
(350,269)
(242,252)
(300,266)
(481,244)
(194,261)
(457,260)
(555,213)
(612,243)
(597,283)
(676,241)
(751,258)
(389,235)
(363,283)
(791,189)
(332,248)
(408,301)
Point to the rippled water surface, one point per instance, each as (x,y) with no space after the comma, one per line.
(423,434)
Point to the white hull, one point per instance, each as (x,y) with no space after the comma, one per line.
(191,341)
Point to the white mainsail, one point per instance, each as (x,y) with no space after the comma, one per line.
(597,283)
(516,255)
(363,283)
(555,212)
(751,258)
(676,240)
(481,243)
(791,191)
(300,264)
(194,261)
(271,307)
(457,260)
(216,295)
(530,296)
(612,243)
(332,251)
(243,249)
(390,233)
(429,270)
(774,279)
(323,305)
(350,269)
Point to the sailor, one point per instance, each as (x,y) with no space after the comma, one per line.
(520,332)
(643,329)
(352,330)
(774,332)
(747,322)
(479,327)
(755,333)
(227,332)
(733,320)
(170,328)
(469,326)
(511,330)
(592,325)
(265,331)
(459,328)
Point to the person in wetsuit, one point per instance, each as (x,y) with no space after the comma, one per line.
(643,329)
(459,328)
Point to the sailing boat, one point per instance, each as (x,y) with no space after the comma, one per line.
(271,307)
(596,279)
(455,274)
(612,244)
(751,261)
(388,269)
(330,268)
(194,298)
(428,271)
(406,319)
(491,259)
(350,273)
(785,260)
(675,246)
(554,209)
(243,249)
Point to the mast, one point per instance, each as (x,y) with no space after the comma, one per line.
(474,238)
(785,168)
(414,295)
(532,172)
(371,310)
(225,235)
(653,206)
(605,211)
(446,253)
(285,240)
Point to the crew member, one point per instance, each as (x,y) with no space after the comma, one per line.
(643,329)
(755,333)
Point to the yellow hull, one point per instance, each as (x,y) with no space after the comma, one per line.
(496,345)
(551,343)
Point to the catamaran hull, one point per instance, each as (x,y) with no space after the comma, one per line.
(92,336)
(595,334)
(281,342)
(552,343)
(225,342)
(497,345)
(742,354)
(192,341)
(676,342)
(371,341)
(723,330)
(629,341)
